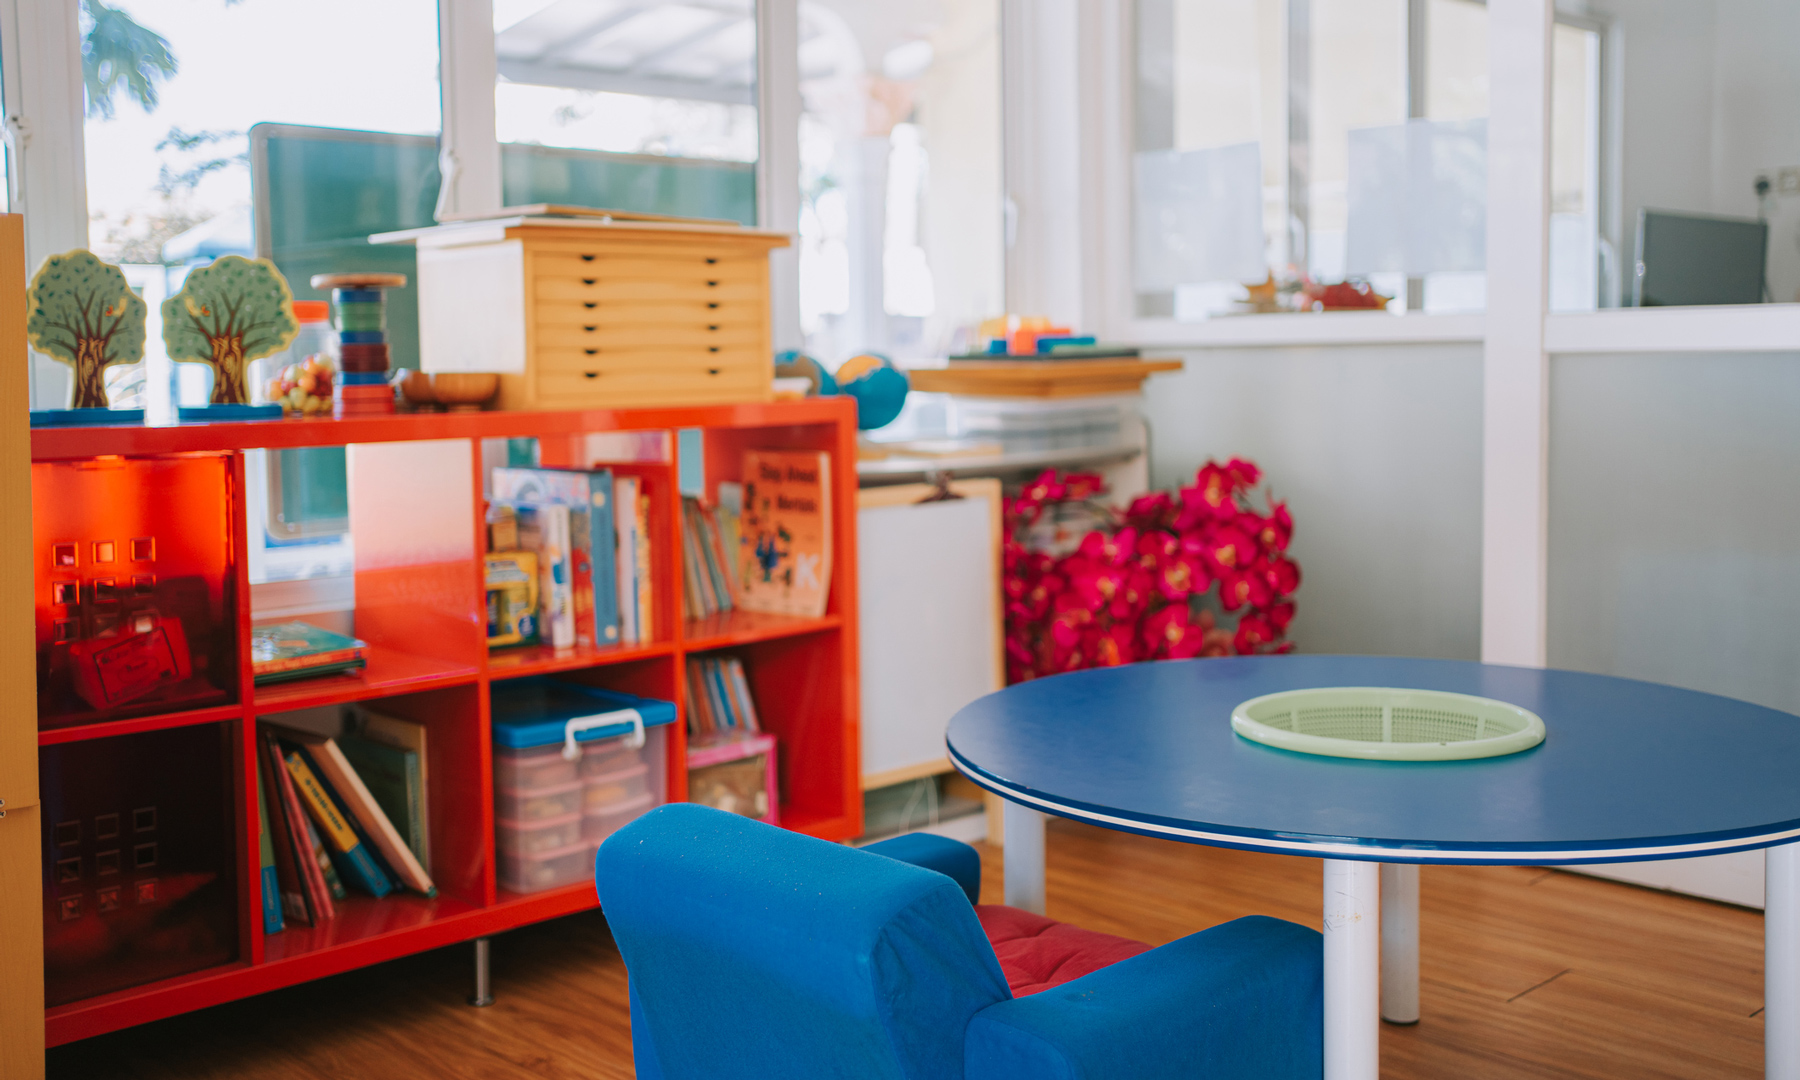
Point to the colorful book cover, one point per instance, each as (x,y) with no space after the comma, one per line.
(409,737)
(298,649)
(312,905)
(271,882)
(545,530)
(352,859)
(625,490)
(784,555)
(645,601)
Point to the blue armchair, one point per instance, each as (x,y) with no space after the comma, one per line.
(754,952)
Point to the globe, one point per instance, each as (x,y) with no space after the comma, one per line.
(878,387)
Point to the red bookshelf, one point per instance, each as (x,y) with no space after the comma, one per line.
(416,513)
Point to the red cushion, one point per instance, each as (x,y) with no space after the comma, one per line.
(1037,953)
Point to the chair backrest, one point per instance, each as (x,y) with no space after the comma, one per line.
(757,952)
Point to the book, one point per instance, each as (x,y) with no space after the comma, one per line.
(271,883)
(300,650)
(741,684)
(625,492)
(307,895)
(544,530)
(392,776)
(409,737)
(589,496)
(364,814)
(784,554)
(346,848)
(334,885)
(717,562)
(645,597)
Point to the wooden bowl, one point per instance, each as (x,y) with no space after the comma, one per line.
(463,391)
(417,388)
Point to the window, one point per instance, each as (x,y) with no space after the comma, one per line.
(173,88)
(900,217)
(1286,145)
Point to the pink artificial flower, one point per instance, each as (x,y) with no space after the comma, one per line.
(1253,632)
(1170,633)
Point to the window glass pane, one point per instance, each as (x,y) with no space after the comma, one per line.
(168,176)
(1579,263)
(1334,151)
(900,220)
(1681,123)
(628,76)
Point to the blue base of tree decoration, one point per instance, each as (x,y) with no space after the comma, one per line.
(85,417)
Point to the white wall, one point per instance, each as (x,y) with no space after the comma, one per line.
(1377,450)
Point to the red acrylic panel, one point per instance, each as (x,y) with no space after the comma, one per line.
(140,871)
(799,686)
(136,586)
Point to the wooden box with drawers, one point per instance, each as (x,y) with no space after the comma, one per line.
(598,312)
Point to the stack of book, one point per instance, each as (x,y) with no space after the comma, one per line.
(298,650)
(710,577)
(719,701)
(589,533)
(340,813)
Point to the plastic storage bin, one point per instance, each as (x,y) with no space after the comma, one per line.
(551,807)
(536,837)
(547,869)
(597,825)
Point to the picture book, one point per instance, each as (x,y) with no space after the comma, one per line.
(646,605)
(706,570)
(545,531)
(410,739)
(271,884)
(364,814)
(334,885)
(347,851)
(300,650)
(784,553)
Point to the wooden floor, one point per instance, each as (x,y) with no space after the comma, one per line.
(1526,973)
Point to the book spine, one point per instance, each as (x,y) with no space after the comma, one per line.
(334,885)
(605,541)
(752,722)
(700,721)
(626,561)
(314,900)
(715,552)
(693,577)
(348,851)
(581,559)
(715,682)
(645,601)
(271,881)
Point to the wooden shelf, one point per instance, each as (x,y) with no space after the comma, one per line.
(388,672)
(746,627)
(544,660)
(156,722)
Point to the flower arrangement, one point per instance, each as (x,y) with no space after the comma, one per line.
(1130,588)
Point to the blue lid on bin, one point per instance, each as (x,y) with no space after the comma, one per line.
(536,711)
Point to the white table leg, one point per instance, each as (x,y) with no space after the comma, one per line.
(1400,943)
(1781,962)
(1352,970)
(1024,855)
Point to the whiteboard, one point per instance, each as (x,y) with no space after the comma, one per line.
(929,590)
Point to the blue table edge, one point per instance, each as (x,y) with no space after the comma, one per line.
(1355,849)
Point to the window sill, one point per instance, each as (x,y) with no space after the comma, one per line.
(1744,328)
(1316,328)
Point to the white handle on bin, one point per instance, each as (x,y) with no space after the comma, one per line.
(633,738)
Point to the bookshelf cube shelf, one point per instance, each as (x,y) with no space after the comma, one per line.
(416,521)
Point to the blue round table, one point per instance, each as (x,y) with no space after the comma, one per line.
(1628,771)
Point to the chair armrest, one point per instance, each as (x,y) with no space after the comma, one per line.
(952,858)
(1241,1000)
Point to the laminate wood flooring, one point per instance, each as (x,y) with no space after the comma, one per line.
(1526,973)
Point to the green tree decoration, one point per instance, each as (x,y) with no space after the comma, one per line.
(83,313)
(226,315)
